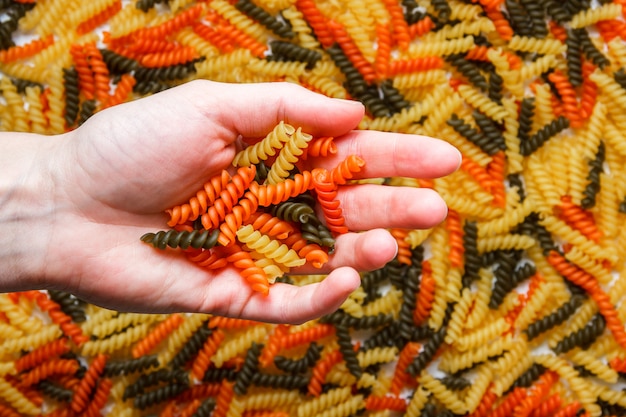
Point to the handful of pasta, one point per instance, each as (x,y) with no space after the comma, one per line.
(263,219)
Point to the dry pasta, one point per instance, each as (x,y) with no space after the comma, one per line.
(503,68)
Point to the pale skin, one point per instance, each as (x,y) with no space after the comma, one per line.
(73,206)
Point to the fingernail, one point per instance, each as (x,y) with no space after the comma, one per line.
(460,156)
(353,103)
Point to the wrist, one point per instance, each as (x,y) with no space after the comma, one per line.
(27,209)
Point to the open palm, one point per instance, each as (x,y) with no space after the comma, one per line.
(113,178)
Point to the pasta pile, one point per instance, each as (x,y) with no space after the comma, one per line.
(514,306)
(264,221)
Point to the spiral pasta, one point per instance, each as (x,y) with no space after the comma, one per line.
(529,258)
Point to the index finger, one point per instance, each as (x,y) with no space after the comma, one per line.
(253,110)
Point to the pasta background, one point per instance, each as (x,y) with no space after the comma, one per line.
(512,306)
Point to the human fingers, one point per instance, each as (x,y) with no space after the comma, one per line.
(293,304)
(394,154)
(253,110)
(362,251)
(369,206)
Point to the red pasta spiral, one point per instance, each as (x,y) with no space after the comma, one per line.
(69,381)
(41,354)
(98,19)
(512,315)
(501,23)
(119,45)
(570,410)
(610,315)
(590,284)
(224,398)
(122,91)
(352,52)
(15,53)
(203,360)
(505,408)
(209,258)
(532,401)
(589,91)
(141,45)
(190,409)
(558,31)
(200,202)
(425,296)
(491,4)
(343,172)
(48,369)
(270,225)
(157,335)
(271,194)
(405,358)
(68,327)
(327,198)
(383,51)
(515,62)
(234,220)
(455,238)
(169,410)
(99,399)
(198,392)
(572,272)
(568,97)
(557,107)
(316,20)
(404,248)
(254,275)
(486,403)
(322,146)
(454,83)
(320,370)
(180,55)
(406,66)
(235,35)
(272,346)
(578,218)
(548,407)
(400,29)
(374,402)
(610,29)
(478,53)
(497,170)
(421,27)
(86,79)
(100,72)
(14,297)
(186,18)
(228,197)
(315,333)
(312,252)
(216,38)
(618,364)
(477,172)
(83,392)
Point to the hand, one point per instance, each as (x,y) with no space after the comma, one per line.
(114,176)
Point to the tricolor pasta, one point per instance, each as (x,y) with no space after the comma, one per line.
(512,306)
